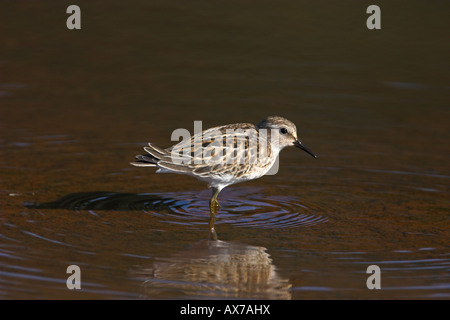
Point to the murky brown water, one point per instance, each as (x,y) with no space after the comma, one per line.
(76,106)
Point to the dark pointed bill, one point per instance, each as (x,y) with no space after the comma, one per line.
(304,148)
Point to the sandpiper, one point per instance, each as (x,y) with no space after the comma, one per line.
(225,155)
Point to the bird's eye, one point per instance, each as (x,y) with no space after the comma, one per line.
(283,130)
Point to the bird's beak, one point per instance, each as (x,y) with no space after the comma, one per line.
(304,148)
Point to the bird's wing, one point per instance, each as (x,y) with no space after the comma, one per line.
(222,150)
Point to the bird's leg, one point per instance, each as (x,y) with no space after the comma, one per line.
(213,207)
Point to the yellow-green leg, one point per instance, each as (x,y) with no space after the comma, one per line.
(214,208)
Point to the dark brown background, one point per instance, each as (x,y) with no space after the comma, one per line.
(76,106)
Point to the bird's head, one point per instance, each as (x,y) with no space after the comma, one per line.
(286,132)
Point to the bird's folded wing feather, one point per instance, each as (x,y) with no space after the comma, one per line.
(217,149)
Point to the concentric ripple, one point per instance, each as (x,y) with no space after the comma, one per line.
(242,207)
(248,207)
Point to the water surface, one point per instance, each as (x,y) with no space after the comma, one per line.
(77,106)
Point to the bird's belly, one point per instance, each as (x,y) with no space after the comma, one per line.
(243,174)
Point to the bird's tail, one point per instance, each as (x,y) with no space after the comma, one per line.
(153,156)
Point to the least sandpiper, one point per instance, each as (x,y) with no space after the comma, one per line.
(225,155)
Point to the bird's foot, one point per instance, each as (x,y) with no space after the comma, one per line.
(212,234)
(214,207)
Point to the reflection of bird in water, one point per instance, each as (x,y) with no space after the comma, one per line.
(215,269)
(225,155)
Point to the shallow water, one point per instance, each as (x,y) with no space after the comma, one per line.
(77,106)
